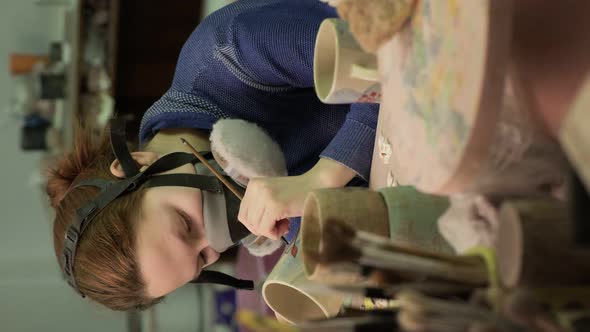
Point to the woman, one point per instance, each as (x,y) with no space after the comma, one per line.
(250,60)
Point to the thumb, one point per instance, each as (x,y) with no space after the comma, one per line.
(282,227)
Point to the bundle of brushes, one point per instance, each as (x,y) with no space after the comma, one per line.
(388,262)
(432,292)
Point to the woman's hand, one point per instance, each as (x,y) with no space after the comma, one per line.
(269,201)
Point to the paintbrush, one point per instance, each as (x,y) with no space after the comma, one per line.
(350,290)
(342,248)
(363,238)
(419,313)
(423,266)
(428,287)
(220,176)
(385,293)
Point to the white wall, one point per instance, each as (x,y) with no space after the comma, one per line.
(33,297)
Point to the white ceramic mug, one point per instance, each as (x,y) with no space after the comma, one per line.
(342,72)
(284,291)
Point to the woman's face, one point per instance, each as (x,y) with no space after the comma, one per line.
(171,245)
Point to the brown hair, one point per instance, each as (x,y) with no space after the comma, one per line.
(105,267)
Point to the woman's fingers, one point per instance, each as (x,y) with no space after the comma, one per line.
(283,227)
(268,225)
(255,215)
(245,206)
(269,200)
(256,210)
(243,213)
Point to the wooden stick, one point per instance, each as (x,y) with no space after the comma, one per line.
(215,172)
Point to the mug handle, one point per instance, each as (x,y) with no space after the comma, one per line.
(364,73)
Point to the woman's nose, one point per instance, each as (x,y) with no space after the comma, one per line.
(200,243)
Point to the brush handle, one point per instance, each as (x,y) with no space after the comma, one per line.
(473,275)
(368,239)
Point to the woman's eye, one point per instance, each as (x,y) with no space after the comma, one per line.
(185,222)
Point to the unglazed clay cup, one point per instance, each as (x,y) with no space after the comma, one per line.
(362,209)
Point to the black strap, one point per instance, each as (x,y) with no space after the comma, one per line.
(214,277)
(115,189)
(237,230)
(203,182)
(170,161)
(119,144)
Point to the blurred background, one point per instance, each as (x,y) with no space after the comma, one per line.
(86,58)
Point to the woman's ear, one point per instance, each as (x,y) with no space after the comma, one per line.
(142,158)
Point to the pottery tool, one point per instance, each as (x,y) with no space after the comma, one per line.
(421,313)
(345,246)
(220,176)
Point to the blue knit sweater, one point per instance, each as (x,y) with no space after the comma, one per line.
(253,60)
